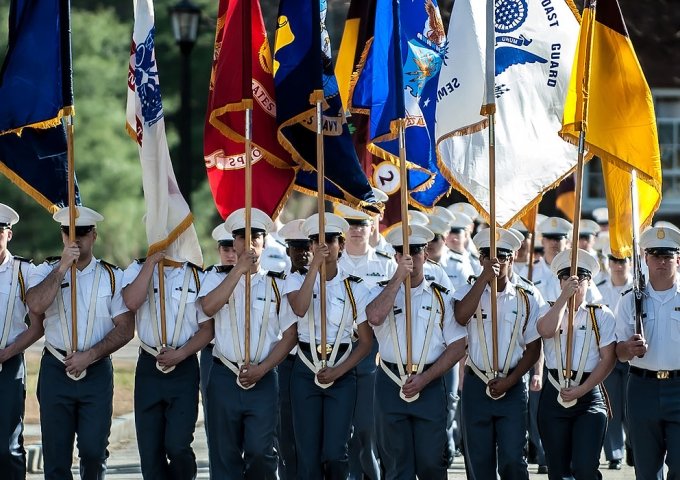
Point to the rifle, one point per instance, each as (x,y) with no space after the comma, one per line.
(638,278)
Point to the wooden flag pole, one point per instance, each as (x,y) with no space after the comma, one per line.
(161,303)
(405,249)
(248,232)
(321,206)
(72,214)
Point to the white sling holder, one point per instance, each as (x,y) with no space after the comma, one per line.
(66,336)
(403,376)
(179,321)
(557,339)
(10,306)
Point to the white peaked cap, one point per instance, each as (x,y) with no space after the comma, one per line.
(220,234)
(418,235)
(8,215)
(293,231)
(505,239)
(258,219)
(333,224)
(585,260)
(85,217)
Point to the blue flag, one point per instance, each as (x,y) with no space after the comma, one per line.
(303,66)
(399,80)
(36,162)
(35,80)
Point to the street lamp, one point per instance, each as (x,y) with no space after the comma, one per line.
(184,16)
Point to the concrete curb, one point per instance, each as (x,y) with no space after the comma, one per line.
(122,429)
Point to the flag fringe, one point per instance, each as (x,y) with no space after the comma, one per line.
(354,78)
(172,236)
(45,124)
(28,189)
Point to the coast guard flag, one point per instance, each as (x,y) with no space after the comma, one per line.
(169,223)
(35,80)
(534,49)
(399,80)
(36,162)
(302,68)
(241,75)
(608,93)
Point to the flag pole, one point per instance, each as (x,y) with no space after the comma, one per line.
(247,96)
(581,127)
(489,109)
(321,206)
(405,249)
(532,246)
(72,213)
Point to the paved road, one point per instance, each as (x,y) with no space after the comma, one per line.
(124,463)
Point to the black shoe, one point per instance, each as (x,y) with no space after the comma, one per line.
(615,464)
(630,461)
(542,469)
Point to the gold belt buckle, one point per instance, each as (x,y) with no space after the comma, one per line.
(329,349)
(414,368)
(663,375)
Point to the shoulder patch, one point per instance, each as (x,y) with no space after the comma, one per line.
(196,267)
(474,255)
(601,282)
(550,303)
(383,283)
(353,278)
(526,280)
(629,290)
(52,260)
(429,260)
(115,267)
(526,288)
(441,288)
(222,268)
(22,259)
(383,254)
(594,305)
(140,260)
(301,270)
(279,275)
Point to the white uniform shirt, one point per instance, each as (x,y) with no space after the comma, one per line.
(606,326)
(434,272)
(611,294)
(107,306)
(661,326)
(372,267)
(508,301)
(549,285)
(336,297)
(224,336)
(457,267)
(423,300)
(174,280)
(17,324)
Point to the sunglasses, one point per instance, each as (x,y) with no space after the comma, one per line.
(80,231)
(415,250)
(581,278)
(618,261)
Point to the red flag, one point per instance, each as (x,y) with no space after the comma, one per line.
(223,143)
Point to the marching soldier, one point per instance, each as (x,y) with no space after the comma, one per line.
(15,337)
(75,389)
(495,404)
(323,396)
(470,250)
(611,288)
(411,406)
(572,415)
(243,392)
(299,251)
(372,266)
(458,264)
(654,382)
(167,373)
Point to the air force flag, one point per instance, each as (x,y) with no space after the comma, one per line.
(534,45)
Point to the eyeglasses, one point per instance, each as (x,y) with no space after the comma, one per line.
(581,278)
(80,231)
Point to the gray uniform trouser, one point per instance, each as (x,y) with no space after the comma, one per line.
(166,410)
(285,437)
(572,437)
(69,408)
(653,411)
(411,436)
(452,427)
(12,397)
(244,421)
(322,421)
(615,383)
(494,431)
(205,361)
(363,452)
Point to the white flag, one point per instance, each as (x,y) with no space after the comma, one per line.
(169,223)
(535,45)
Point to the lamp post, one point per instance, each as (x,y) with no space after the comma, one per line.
(184,16)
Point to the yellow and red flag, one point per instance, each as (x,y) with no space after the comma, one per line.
(610,101)
(241,77)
